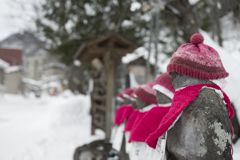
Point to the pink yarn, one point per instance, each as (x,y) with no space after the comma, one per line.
(128,110)
(129,91)
(196,39)
(165,81)
(118,115)
(148,124)
(131,121)
(122,114)
(181,100)
(120,97)
(146,93)
(197,60)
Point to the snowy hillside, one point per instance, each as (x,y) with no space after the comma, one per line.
(49,128)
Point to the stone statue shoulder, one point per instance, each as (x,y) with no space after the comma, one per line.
(211,117)
(203,130)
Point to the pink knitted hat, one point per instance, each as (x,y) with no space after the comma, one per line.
(197,60)
(164,85)
(128,92)
(133,95)
(120,97)
(146,93)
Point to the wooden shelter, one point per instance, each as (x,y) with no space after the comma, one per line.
(104,53)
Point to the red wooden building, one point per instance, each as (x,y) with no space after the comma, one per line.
(11,56)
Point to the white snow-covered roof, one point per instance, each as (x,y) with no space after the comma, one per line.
(3,64)
(13,69)
(163,59)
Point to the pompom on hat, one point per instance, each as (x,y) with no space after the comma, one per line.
(146,93)
(197,60)
(164,85)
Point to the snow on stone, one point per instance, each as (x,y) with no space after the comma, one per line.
(13,69)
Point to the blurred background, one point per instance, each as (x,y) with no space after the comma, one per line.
(55,57)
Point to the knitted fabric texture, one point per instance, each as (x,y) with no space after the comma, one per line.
(136,122)
(164,85)
(146,93)
(148,124)
(118,115)
(120,97)
(131,121)
(128,110)
(197,60)
(128,92)
(181,100)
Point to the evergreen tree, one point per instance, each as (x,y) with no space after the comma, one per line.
(68,23)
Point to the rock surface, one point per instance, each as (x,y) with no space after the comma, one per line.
(203,131)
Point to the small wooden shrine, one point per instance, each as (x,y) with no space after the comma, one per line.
(104,53)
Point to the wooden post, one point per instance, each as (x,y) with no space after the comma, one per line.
(110,71)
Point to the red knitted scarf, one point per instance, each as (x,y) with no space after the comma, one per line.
(123,113)
(148,124)
(181,100)
(138,118)
(131,121)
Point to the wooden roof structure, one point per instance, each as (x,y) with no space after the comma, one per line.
(96,48)
(108,50)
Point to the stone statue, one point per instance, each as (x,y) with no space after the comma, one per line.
(201,128)
(203,131)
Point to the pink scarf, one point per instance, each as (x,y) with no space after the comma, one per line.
(122,114)
(131,121)
(148,124)
(181,100)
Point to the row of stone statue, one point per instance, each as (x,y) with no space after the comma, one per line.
(183,115)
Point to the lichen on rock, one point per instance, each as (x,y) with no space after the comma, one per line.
(222,137)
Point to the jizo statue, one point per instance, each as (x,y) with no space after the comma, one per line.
(201,128)
(141,104)
(203,131)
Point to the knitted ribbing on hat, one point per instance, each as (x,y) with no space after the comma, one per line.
(181,100)
(164,85)
(128,92)
(146,93)
(197,60)
(165,81)
(148,124)
(120,97)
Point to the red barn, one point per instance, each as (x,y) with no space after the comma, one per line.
(11,56)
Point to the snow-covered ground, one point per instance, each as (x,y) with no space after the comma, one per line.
(49,128)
